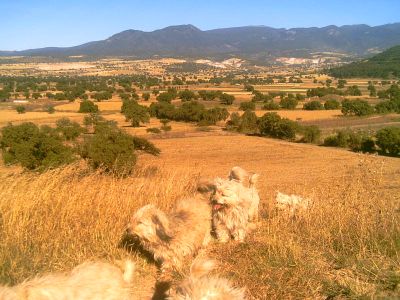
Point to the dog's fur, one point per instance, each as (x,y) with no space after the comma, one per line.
(172,237)
(88,281)
(199,285)
(292,204)
(230,213)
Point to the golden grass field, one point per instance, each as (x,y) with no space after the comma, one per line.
(347,246)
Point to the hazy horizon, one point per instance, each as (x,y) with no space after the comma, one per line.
(32,25)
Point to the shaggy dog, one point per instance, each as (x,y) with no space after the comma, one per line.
(230,213)
(88,281)
(172,237)
(292,204)
(250,194)
(201,286)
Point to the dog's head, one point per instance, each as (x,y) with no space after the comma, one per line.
(150,224)
(225,194)
(282,201)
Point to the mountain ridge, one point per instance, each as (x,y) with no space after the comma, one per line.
(188,40)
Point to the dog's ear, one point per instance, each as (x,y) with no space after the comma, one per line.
(206,186)
(253,178)
(162,227)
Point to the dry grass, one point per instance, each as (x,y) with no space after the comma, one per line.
(348,246)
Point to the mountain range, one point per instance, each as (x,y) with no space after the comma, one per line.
(189,41)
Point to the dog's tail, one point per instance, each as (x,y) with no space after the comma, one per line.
(253,179)
(201,267)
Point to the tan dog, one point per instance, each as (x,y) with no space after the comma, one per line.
(248,194)
(201,286)
(292,204)
(172,237)
(88,281)
(230,213)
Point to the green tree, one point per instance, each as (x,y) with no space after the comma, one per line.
(187,95)
(226,99)
(388,140)
(88,106)
(313,105)
(146,96)
(135,113)
(35,148)
(20,109)
(331,104)
(356,107)
(247,106)
(289,103)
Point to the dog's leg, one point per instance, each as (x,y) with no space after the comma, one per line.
(222,234)
(239,234)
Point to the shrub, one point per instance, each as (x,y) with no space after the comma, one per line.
(248,122)
(34,147)
(69,130)
(146,96)
(162,110)
(226,99)
(356,107)
(271,105)
(331,104)
(165,97)
(141,144)
(388,140)
(153,130)
(353,91)
(311,134)
(20,109)
(88,106)
(213,115)
(289,103)
(247,106)
(313,105)
(271,124)
(191,111)
(233,122)
(187,95)
(135,113)
(50,109)
(110,149)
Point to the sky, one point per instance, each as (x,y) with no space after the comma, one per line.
(27,24)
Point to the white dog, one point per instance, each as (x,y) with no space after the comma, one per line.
(201,286)
(174,236)
(88,281)
(293,204)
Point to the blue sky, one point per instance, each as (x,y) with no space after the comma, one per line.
(33,24)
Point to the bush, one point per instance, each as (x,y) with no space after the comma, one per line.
(311,134)
(141,144)
(162,110)
(331,104)
(271,124)
(388,140)
(153,130)
(191,111)
(247,106)
(33,147)
(88,106)
(146,96)
(271,105)
(248,122)
(111,149)
(313,105)
(20,109)
(289,103)
(187,95)
(50,109)
(165,97)
(135,113)
(69,130)
(226,99)
(353,91)
(356,107)
(355,140)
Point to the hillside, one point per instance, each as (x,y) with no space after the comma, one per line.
(345,248)
(383,65)
(188,41)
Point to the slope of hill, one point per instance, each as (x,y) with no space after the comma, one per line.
(383,65)
(187,40)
